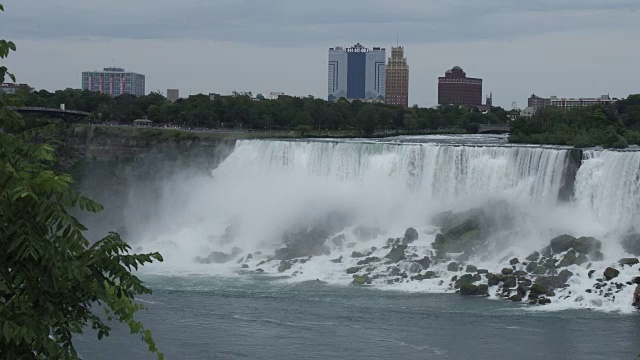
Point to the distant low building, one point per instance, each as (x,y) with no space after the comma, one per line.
(528,112)
(536,103)
(173,94)
(142,123)
(272,95)
(10,88)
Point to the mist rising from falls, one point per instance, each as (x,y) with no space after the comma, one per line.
(265,191)
(266,188)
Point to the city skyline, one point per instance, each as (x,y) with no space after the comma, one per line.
(570,49)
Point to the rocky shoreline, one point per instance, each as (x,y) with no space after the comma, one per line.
(541,278)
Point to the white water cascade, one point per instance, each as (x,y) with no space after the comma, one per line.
(265,188)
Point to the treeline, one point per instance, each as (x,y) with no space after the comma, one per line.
(241,110)
(611,126)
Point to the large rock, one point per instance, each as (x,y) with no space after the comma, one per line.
(534,256)
(303,244)
(492,279)
(353,270)
(473,290)
(628,261)
(471,269)
(453,266)
(586,245)
(425,262)
(284,266)
(218,257)
(410,235)
(610,273)
(551,283)
(562,243)
(396,254)
(569,259)
(631,244)
(361,279)
(426,275)
(368,260)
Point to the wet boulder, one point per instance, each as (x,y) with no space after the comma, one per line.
(464,279)
(368,260)
(568,259)
(410,236)
(303,244)
(471,269)
(453,266)
(353,270)
(473,290)
(396,254)
(586,245)
(562,243)
(426,275)
(337,261)
(544,301)
(218,257)
(550,283)
(492,279)
(610,273)
(631,244)
(516,297)
(514,261)
(361,279)
(564,276)
(358,254)
(538,290)
(425,262)
(284,266)
(534,256)
(507,271)
(628,261)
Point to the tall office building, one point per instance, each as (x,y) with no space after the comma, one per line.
(397,79)
(356,73)
(173,94)
(113,81)
(455,88)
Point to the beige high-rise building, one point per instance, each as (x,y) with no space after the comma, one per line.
(173,94)
(397,79)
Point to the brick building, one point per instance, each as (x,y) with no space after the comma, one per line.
(455,88)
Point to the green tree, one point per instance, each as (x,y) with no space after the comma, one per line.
(53,281)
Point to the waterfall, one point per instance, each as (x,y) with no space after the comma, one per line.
(608,185)
(348,197)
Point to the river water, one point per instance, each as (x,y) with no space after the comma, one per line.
(366,192)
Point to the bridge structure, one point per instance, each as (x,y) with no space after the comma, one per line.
(53,112)
(494,128)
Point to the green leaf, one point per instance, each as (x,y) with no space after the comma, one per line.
(6,329)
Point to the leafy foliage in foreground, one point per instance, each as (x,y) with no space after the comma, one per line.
(53,282)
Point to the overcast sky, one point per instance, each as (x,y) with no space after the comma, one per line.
(572,48)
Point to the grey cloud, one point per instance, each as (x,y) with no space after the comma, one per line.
(293,23)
